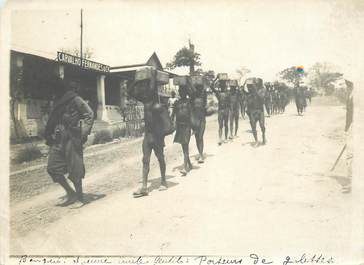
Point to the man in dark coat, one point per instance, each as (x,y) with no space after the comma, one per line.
(146,91)
(68,126)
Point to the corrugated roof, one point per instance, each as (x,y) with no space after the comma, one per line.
(116,69)
(43,54)
(127,69)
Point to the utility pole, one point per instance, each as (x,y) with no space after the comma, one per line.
(81,39)
(192,63)
(80,83)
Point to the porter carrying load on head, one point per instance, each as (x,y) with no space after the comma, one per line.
(235,102)
(268,99)
(198,97)
(255,100)
(171,102)
(242,102)
(182,112)
(223,98)
(157,122)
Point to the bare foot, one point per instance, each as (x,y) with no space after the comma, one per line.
(140,192)
(163,187)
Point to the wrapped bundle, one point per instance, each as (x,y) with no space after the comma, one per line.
(142,90)
(147,73)
(180,81)
(233,83)
(251,81)
(222,76)
(259,82)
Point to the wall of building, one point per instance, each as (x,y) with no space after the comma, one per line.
(105,93)
(34,77)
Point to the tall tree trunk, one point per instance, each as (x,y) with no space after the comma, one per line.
(192,63)
(12,113)
(192,68)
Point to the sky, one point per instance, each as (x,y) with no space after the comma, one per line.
(265,36)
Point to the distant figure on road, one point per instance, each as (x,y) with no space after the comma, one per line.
(300,99)
(305,93)
(234,108)
(182,111)
(283,100)
(242,103)
(276,100)
(68,126)
(309,94)
(255,99)
(198,98)
(146,91)
(171,102)
(223,98)
(268,99)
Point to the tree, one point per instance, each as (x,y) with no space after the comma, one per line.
(87,53)
(291,75)
(322,76)
(16,95)
(185,57)
(242,72)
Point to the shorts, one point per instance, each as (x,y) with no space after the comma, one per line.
(183,133)
(66,158)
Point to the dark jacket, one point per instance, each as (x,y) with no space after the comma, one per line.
(71,118)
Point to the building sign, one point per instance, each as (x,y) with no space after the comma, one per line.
(87,64)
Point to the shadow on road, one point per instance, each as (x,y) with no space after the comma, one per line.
(345,182)
(194,166)
(196,156)
(180,167)
(88,197)
(253,144)
(91,197)
(155,183)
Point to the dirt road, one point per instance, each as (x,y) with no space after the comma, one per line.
(274,199)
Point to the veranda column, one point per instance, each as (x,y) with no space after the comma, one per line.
(22,106)
(60,71)
(123,93)
(101,107)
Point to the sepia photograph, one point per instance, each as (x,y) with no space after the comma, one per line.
(182,132)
